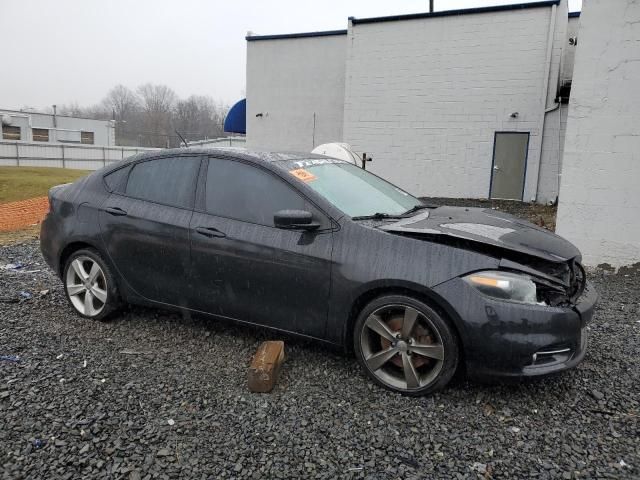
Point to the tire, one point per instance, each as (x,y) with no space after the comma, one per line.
(81,279)
(417,360)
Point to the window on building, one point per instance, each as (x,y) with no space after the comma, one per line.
(40,135)
(9,132)
(247,193)
(86,137)
(170,181)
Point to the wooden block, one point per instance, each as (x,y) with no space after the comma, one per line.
(265,366)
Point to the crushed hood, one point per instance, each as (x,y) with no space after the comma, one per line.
(488,227)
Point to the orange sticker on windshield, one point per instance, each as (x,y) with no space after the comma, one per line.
(303,175)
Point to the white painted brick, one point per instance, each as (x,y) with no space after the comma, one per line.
(461,77)
(288,80)
(599,195)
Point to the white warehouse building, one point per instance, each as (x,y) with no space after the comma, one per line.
(464,103)
(26,126)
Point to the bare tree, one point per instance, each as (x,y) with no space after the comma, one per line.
(157,102)
(122,102)
(73,109)
(148,116)
(124,107)
(198,117)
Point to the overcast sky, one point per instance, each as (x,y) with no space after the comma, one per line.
(63,51)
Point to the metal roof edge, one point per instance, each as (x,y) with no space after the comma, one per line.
(59,115)
(325,33)
(447,13)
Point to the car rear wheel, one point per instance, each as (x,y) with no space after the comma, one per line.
(405,345)
(89,285)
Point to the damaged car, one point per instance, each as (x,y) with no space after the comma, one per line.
(318,247)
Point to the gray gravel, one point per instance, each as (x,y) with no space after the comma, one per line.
(152,394)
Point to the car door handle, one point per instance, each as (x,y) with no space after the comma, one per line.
(117,211)
(210,232)
(496,168)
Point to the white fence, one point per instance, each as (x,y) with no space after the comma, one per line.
(87,157)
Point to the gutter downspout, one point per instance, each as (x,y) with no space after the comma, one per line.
(545,88)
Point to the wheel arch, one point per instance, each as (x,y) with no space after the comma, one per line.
(72,247)
(409,289)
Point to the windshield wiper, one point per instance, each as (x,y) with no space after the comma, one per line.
(380,216)
(376,216)
(420,206)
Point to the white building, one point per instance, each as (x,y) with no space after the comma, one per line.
(600,193)
(454,103)
(48,128)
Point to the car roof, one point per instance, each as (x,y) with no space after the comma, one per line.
(256,156)
(278,160)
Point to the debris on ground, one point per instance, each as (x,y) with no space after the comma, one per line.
(10,358)
(480,468)
(128,351)
(265,366)
(12,266)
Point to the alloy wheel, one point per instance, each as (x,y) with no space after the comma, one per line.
(86,286)
(402,347)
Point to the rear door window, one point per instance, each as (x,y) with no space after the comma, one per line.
(115,180)
(248,193)
(170,181)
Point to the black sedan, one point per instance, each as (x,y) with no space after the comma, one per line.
(318,247)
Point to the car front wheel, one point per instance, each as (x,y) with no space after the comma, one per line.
(405,345)
(89,285)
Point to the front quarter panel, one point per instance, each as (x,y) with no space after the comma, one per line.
(366,259)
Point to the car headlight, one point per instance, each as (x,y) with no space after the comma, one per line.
(504,285)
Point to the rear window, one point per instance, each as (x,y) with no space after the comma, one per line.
(170,181)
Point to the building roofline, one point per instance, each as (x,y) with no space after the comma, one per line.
(23,112)
(574,14)
(326,33)
(447,13)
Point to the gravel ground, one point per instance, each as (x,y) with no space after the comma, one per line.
(156,395)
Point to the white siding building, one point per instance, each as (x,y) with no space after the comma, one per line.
(454,103)
(600,193)
(296,84)
(47,128)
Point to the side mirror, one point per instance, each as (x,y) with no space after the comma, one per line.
(295,220)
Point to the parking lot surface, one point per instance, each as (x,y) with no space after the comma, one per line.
(153,394)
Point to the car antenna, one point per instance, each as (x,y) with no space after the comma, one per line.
(182,138)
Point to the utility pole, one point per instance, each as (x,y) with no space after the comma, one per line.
(430,6)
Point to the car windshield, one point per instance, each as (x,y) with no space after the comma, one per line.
(355,191)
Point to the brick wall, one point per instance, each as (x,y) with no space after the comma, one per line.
(599,193)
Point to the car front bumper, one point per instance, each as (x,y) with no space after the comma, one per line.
(508,339)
